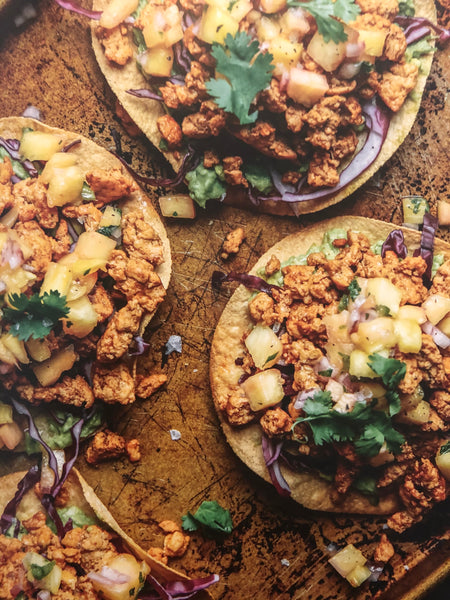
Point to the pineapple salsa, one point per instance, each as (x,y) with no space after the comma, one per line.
(275,96)
(77,275)
(347,366)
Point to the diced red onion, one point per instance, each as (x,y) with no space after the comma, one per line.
(271,452)
(349,70)
(303,396)
(32,112)
(76,8)
(12,254)
(43,595)
(354,50)
(439,337)
(108,576)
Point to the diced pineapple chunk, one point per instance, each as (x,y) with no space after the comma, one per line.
(443,459)
(336,325)
(82,317)
(59,160)
(65,186)
(414,313)
(177,205)
(410,401)
(117,11)
(81,286)
(216,24)
(294,21)
(6,413)
(373,41)
(436,307)
(359,365)
(329,55)
(135,571)
(264,346)
(373,336)
(164,28)
(268,29)
(37,145)
(50,582)
(444,326)
(358,575)
(418,415)
(306,87)
(409,335)
(17,347)
(58,278)
(39,350)
(237,9)
(111,217)
(285,52)
(16,280)
(414,209)
(158,62)
(264,389)
(87,266)
(11,435)
(347,559)
(272,6)
(93,245)
(384,293)
(6,356)
(49,371)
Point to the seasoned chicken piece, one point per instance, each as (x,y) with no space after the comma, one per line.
(113,385)
(41,245)
(208,121)
(275,421)
(30,199)
(101,302)
(89,546)
(384,550)
(323,170)
(396,84)
(109,185)
(119,332)
(263,137)
(273,265)
(170,130)
(261,309)
(106,445)
(6,171)
(140,240)
(384,8)
(133,450)
(72,391)
(441,281)
(232,172)
(117,45)
(395,44)
(88,214)
(440,400)
(232,242)
(238,409)
(61,242)
(176,543)
(148,384)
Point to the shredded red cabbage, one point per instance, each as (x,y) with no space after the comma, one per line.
(71,145)
(396,243)
(26,484)
(76,8)
(141,346)
(12,147)
(190,162)
(182,57)
(416,28)
(250,281)
(145,93)
(377,119)
(430,225)
(271,453)
(177,590)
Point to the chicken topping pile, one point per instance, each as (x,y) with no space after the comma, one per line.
(76,277)
(78,566)
(263,79)
(349,364)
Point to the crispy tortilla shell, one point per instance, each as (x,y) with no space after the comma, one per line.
(307,489)
(145,113)
(89,154)
(81,494)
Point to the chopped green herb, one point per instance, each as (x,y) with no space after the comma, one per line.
(366,427)
(247,73)
(406,8)
(17,167)
(132,591)
(354,289)
(39,572)
(383,310)
(326,373)
(391,371)
(163,145)
(271,357)
(36,316)
(329,16)
(108,231)
(445,448)
(211,517)
(367,485)
(343,302)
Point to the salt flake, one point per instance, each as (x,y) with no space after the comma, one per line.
(175,434)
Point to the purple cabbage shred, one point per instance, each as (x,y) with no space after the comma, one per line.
(430,225)
(271,453)
(416,28)
(250,281)
(76,8)
(26,484)
(396,243)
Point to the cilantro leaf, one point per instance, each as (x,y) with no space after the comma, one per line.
(354,288)
(326,13)
(247,72)
(364,426)
(41,571)
(87,193)
(445,448)
(390,370)
(36,316)
(209,516)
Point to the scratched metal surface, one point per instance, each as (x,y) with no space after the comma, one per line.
(48,63)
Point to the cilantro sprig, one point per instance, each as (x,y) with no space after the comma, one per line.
(391,371)
(210,517)
(326,13)
(364,426)
(36,316)
(247,72)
